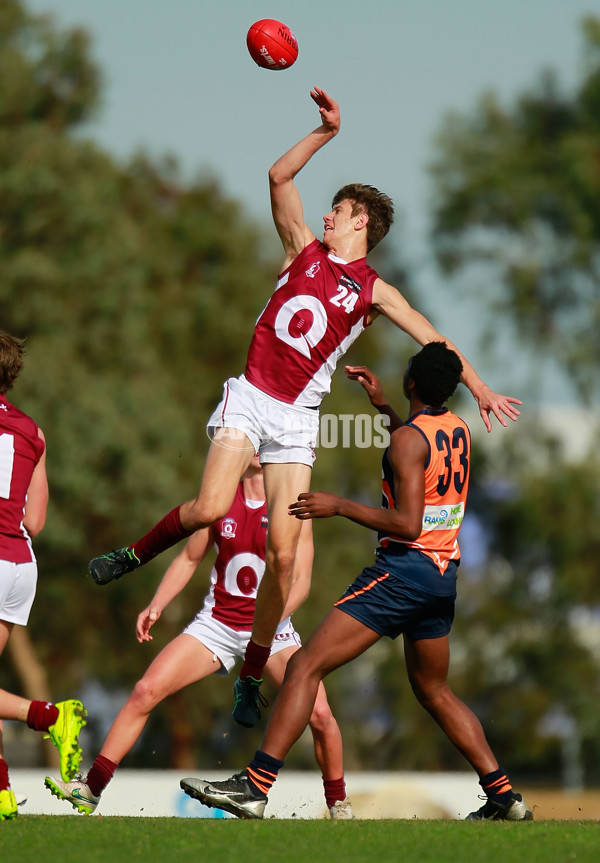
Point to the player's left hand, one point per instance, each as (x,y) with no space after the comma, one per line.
(314,504)
(491,402)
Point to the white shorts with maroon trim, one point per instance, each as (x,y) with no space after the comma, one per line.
(18,582)
(229,644)
(279,432)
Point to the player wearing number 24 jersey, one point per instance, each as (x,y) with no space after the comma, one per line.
(321,305)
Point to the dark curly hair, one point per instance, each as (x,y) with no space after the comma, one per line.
(369,200)
(11,360)
(436,372)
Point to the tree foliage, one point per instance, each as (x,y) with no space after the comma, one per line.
(517,193)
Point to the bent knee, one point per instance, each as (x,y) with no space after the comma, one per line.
(428,695)
(201,513)
(145,695)
(321,718)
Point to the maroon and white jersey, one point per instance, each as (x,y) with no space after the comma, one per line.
(319,307)
(240,540)
(20,450)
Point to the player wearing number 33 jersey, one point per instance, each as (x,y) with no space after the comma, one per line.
(446,485)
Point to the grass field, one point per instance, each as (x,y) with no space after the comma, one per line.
(162,840)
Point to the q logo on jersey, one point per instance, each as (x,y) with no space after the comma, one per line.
(228,528)
(301,322)
(313,270)
(243,573)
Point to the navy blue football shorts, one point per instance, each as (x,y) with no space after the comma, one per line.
(403,592)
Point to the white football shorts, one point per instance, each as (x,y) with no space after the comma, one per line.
(279,432)
(18,582)
(229,644)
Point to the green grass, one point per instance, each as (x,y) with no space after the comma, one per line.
(162,840)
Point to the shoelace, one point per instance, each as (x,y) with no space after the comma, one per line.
(262,700)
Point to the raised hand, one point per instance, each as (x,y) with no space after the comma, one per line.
(328,109)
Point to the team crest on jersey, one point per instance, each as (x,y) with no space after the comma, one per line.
(347,282)
(228,528)
(264,521)
(313,269)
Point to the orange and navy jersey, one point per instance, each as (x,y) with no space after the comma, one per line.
(446,484)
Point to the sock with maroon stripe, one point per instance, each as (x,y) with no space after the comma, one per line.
(497,786)
(262,772)
(4,780)
(163,535)
(335,790)
(41,715)
(101,772)
(255,660)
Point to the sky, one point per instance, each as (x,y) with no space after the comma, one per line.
(178,80)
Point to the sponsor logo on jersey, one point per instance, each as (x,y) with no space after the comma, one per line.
(313,269)
(347,282)
(264,521)
(443,517)
(228,528)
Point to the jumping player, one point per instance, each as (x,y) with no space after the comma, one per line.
(410,589)
(325,296)
(23,503)
(215,638)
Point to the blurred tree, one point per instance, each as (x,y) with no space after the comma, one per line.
(517,206)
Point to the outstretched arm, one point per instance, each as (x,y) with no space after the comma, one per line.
(389,302)
(286,204)
(371,385)
(407,454)
(174,580)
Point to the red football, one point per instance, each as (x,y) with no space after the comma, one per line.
(272,44)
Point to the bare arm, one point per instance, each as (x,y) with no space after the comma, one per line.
(408,452)
(286,204)
(303,564)
(36,504)
(389,302)
(370,383)
(174,580)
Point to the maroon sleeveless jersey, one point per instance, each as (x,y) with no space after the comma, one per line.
(240,540)
(20,450)
(319,307)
